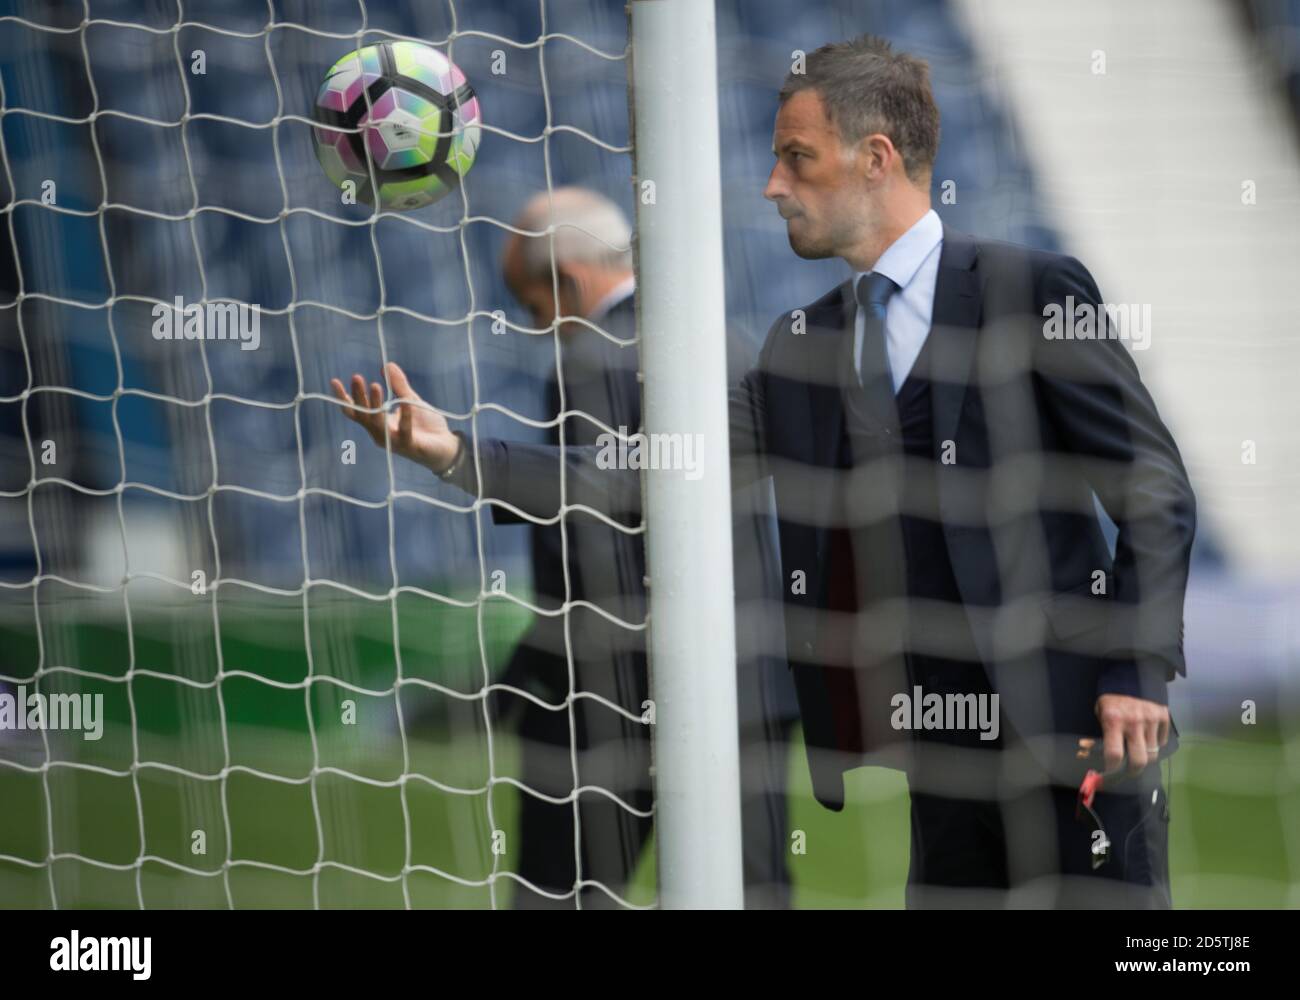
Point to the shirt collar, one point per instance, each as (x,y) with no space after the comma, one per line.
(613,297)
(904,257)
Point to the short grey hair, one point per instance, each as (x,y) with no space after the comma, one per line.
(606,240)
(867,88)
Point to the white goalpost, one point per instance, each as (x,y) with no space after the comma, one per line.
(681,307)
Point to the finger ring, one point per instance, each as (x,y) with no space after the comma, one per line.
(1153,749)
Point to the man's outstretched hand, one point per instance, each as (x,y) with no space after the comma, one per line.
(415,431)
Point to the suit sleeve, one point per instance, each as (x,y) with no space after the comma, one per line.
(504,515)
(1109,423)
(747,411)
(527,476)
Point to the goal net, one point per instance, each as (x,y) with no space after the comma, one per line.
(250,659)
(291,648)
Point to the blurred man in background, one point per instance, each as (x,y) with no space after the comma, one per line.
(596,383)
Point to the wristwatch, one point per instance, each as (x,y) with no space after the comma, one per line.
(459,460)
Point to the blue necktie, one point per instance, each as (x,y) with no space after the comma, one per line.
(873,291)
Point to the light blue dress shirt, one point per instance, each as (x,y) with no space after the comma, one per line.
(912,263)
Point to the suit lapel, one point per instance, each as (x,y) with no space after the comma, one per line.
(953,325)
(830,325)
(953,329)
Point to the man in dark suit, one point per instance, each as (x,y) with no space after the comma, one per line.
(606,567)
(590,573)
(938,445)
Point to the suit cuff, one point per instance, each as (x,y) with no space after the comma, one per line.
(491,461)
(1147,679)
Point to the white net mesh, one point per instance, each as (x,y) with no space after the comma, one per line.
(266,605)
(304,645)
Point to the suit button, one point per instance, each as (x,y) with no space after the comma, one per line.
(807,647)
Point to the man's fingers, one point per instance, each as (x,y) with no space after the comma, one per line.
(1153,738)
(341,394)
(375,400)
(1112,731)
(367,404)
(360,403)
(1136,737)
(405,420)
(349,409)
(1133,725)
(397,379)
(359,398)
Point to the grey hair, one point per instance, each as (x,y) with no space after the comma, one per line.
(867,88)
(606,231)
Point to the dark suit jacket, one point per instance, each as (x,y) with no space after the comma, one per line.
(1038,426)
(606,566)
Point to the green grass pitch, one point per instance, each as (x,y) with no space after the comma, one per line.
(1230,845)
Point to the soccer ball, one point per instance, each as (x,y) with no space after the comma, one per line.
(403,110)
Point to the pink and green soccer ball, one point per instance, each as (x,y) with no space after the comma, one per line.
(407,110)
